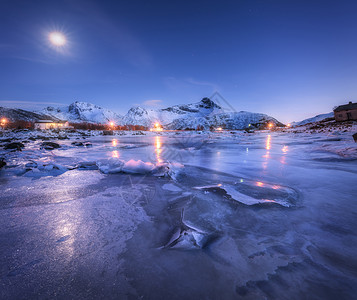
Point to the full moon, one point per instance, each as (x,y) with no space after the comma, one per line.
(57,39)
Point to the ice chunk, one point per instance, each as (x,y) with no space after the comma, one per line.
(110,166)
(115,165)
(258,193)
(138,167)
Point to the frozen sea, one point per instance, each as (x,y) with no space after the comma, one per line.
(269,215)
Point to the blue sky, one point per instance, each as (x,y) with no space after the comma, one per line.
(289,59)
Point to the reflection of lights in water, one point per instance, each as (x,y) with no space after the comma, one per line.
(247,150)
(241,180)
(259,183)
(219,153)
(276,187)
(115,154)
(158,150)
(267,154)
(268,142)
(114,143)
(285,149)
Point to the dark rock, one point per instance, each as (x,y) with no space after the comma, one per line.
(6,141)
(88,145)
(108,132)
(63,137)
(78,144)
(14,146)
(32,138)
(2,163)
(50,145)
(355,137)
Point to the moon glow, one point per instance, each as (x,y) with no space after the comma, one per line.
(57,39)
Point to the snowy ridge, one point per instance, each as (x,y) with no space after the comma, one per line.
(82,112)
(203,114)
(186,113)
(19,114)
(317,118)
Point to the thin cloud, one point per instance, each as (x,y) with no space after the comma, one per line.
(214,86)
(186,83)
(154,103)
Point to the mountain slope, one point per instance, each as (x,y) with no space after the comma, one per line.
(203,114)
(14,114)
(314,119)
(148,117)
(83,112)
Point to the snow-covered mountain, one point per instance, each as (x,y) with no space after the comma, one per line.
(14,114)
(203,114)
(189,113)
(314,119)
(82,112)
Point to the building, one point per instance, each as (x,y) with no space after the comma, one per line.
(346,112)
(49,124)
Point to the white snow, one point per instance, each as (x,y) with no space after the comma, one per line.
(317,118)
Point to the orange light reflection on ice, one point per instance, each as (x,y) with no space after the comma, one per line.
(259,183)
(285,149)
(158,149)
(114,143)
(115,154)
(268,142)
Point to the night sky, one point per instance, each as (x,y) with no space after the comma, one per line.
(289,59)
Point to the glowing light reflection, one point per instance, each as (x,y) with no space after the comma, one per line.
(267,154)
(268,142)
(115,154)
(158,150)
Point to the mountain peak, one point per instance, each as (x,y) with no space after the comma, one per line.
(208,103)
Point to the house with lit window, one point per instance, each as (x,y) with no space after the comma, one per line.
(346,112)
(50,124)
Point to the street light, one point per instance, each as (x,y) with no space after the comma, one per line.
(3,122)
